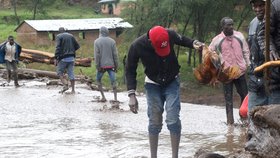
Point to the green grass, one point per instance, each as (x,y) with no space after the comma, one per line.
(8,25)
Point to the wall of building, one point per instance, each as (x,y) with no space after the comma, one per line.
(26,34)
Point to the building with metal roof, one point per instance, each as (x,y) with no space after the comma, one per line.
(43,32)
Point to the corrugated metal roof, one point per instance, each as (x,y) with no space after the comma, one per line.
(77,24)
(113,1)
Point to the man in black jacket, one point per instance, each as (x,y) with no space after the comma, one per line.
(156,52)
(274,72)
(257,94)
(65,53)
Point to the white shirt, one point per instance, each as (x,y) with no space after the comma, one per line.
(148,80)
(10,52)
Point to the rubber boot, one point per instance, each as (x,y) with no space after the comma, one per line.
(15,75)
(153,145)
(72,86)
(9,76)
(175,141)
(229,112)
(64,83)
(115,93)
(100,88)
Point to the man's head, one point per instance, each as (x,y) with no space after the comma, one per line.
(258,7)
(160,40)
(227,26)
(103,31)
(61,30)
(11,40)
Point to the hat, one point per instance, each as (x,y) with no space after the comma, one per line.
(160,40)
(252,1)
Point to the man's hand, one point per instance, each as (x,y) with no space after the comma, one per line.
(133,103)
(274,55)
(197,44)
(115,69)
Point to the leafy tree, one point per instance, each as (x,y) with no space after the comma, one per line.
(199,19)
(14,5)
(37,6)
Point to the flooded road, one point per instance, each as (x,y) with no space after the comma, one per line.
(37,121)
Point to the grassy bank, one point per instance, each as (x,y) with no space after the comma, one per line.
(8,25)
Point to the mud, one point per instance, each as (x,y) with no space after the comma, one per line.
(37,121)
(264,132)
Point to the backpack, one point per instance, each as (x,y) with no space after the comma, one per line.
(219,47)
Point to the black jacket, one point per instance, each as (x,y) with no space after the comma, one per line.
(274,72)
(161,70)
(255,82)
(66,46)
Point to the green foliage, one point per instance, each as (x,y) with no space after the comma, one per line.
(201,18)
(198,19)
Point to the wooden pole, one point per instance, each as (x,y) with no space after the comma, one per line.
(267,37)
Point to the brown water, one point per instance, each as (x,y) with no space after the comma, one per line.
(37,121)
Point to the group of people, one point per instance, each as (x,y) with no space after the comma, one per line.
(156,52)
(155,49)
(259,94)
(105,55)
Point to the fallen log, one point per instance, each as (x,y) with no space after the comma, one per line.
(24,73)
(29,55)
(267,65)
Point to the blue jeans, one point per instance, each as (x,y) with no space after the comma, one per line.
(66,66)
(274,97)
(257,99)
(111,74)
(159,96)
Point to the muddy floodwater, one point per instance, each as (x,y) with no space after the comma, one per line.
(36,121)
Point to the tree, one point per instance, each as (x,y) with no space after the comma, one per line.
(14,4)
(37,6)
(199,19)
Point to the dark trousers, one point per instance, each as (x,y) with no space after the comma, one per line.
(12,69)
(241,88)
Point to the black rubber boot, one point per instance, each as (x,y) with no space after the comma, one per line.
(153,145)
(115,92)
(72,86)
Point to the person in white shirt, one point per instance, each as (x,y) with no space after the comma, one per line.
(10,52)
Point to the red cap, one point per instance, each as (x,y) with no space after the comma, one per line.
(160,40)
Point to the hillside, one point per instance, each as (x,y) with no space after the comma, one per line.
(191,91)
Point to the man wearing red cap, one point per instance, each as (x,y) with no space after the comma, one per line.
(156,52)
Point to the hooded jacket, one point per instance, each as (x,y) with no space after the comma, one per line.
(105,50)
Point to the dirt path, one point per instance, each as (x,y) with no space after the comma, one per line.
(212,96)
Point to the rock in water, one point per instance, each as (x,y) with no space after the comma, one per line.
(264,132)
